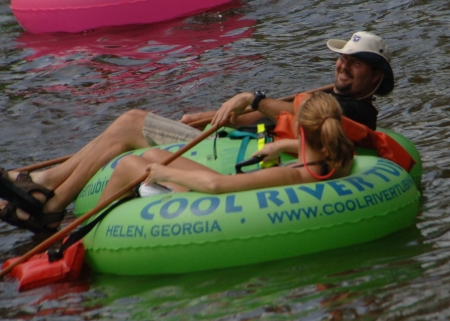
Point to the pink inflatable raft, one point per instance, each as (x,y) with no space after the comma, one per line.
(45,16)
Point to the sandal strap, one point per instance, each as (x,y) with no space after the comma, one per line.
(38,223)
(8,214)
(24,182)
(18,197)
(4,173)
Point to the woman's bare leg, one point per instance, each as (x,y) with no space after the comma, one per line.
(131,167)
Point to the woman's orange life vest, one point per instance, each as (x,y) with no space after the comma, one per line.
(360,135)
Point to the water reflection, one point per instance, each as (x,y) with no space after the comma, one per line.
(113,63)
(358,281)
(63,78)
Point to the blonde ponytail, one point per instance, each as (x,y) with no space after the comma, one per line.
(320,118)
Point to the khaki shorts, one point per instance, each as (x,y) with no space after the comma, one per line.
(159,131)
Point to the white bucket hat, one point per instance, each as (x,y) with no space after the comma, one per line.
(371,48)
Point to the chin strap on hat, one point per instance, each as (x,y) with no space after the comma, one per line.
(373,91)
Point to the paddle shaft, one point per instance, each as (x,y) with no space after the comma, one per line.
(44,164)
(62,159)
(101,205)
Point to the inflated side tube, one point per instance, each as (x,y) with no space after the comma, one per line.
(184,232)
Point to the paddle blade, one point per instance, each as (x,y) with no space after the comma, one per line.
(38,271)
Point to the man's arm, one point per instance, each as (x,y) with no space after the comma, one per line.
(267,107)
(236,105)
(273,108)
(200,120)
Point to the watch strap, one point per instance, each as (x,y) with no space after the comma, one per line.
(259,95)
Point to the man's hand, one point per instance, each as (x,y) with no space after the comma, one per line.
(235,105)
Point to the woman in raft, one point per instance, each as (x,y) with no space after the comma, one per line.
(324,152)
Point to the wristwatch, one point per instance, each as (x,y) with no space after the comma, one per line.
(259,95)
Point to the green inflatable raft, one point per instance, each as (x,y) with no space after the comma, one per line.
(185,232)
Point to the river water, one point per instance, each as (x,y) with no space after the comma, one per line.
(59,91)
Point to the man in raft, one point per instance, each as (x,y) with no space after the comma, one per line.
(361,71)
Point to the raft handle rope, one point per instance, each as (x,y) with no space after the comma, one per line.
(219,134)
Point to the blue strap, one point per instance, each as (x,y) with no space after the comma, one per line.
(237,134)
(245,136)
(242,149)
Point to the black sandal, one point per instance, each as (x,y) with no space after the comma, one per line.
(19,195)
(35,223)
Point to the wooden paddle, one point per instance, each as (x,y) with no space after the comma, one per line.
(56,161)
(100,206)
(201,123)
(44,164)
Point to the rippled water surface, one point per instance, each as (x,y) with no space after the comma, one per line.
(59,91)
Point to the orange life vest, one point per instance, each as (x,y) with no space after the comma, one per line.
(360,135)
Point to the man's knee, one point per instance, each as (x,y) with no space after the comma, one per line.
(133,118)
